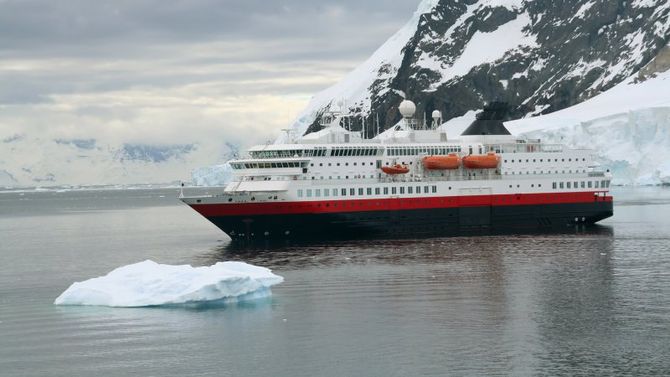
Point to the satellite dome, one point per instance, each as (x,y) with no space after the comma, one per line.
(407,108)
(437,114)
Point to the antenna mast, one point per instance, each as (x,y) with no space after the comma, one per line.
(363,119)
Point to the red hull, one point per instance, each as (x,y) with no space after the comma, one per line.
(366,205)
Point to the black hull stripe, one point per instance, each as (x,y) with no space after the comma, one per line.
(417,222)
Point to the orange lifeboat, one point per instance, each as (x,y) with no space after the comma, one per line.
(395,169)
(487,161)
(450,162)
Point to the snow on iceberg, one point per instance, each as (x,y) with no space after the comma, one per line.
(151,284)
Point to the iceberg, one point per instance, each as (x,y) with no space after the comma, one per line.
(151,284)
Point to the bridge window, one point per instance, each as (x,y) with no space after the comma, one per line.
(352,192)
(410,190)
(344,192)
(393,190)
(590,184)
(309,193)
(425,189)
(402,190)
(317,193)
(434,189)
(377,191)
(300,193)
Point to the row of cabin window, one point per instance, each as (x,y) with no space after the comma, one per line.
(346,164)
(338,152)
(415,151)
(265,165)
(582,184)
(548,160)
(316,193)
(541,172)
(318,152)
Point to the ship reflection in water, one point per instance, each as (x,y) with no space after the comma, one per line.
(526,303)
(299,254)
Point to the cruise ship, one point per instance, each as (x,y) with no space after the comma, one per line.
(412,180)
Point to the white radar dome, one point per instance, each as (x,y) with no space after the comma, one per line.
(437,114)
(407,108)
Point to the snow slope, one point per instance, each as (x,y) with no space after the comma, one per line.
(151,284)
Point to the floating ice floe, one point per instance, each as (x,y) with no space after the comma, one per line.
(151,284)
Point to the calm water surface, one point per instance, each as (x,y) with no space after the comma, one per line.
(588,302)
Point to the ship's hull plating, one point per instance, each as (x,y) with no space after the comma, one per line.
(454,221)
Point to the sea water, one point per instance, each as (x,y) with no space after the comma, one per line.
(582,302)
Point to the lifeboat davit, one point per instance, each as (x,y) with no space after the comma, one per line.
(450,162)
(395,169)
(478,161)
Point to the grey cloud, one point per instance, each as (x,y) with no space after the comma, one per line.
(165,44)
(82,24)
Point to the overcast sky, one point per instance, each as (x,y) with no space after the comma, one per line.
(179,71)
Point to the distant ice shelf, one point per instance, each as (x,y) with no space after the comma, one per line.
(151,284)
(209,176)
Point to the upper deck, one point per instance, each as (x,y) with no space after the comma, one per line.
(334,155)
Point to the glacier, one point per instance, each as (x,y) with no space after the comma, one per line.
(627,126)
(152,284)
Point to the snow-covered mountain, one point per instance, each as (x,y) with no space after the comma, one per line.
(539,56)
(598,68)
(55,162)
